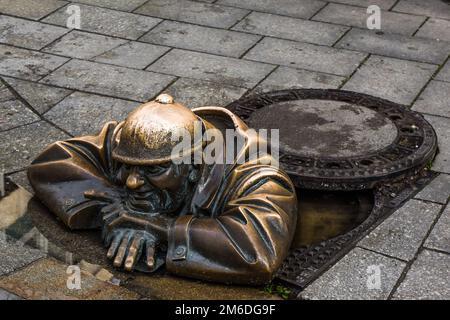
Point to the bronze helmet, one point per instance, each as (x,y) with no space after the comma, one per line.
(145,137)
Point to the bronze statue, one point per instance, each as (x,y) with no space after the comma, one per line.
(227,222)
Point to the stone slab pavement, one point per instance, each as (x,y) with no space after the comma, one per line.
(57,82)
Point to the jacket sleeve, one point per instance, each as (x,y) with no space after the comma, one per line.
(66,169)
(248,241)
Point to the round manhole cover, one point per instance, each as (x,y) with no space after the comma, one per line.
(340,140)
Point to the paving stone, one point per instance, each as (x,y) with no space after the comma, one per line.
(306,56)
(47,279)
(5,295)
(434,99)
(193,37)
(27,64)
(350,278)
(40,96)
(108,22)
(402,233)
(397,46)
(439,237)
(428,278)
(383,4)
(294,8)
(123,5)
(390,78)
(444,73)
(32,9)
(28,34)
(194,12)
(133,55)
(437,191)
(83,113)
(391,22)
(20,178)
(288,78)
(290,28)
(109,80)
(435,29)
(21,145)
(230,71)
(14,113)
(430,8)
(18,255)
(442,127)
(195,93)
(82,45)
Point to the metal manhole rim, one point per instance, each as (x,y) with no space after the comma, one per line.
(408,152)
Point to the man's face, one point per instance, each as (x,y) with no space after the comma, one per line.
(155,188)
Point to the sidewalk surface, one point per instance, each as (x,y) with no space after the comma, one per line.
(58,82)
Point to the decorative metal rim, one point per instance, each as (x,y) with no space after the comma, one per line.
(414,146)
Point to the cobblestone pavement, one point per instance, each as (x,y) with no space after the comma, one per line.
(57,82)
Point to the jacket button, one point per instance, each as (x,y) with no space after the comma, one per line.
(180,251)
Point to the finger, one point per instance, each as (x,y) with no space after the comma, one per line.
(150,247)
(108,208)
(95,195)
(134,253)
(114,245)
(121,252)
(108,218)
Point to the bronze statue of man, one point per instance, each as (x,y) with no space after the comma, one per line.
(228,222)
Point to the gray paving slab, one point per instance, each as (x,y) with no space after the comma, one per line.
(133,55)
(437,29)
(430,8)
(289,78)
(14,113)
(83,45)
(195,93)
(109,80)
(28,34)
(26,64)
(21,145)
(397,46)
(294,8)
(439,238)
(40,96)
(428,278)
(85,114)
(352,278)
(391,22)
(402,233)
(20,178)
(306,56)
(434,99)
(123,5)
(390,78)
(444,73)
(31,9)
(383,4)
(6,295)
(108,22)
(290,28)
(442,127)
(437,191)
(230,71)
(199,38)
(194,12)
(18,255)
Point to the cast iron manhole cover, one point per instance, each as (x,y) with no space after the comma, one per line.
(341,140)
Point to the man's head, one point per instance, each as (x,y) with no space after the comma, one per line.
(146,142)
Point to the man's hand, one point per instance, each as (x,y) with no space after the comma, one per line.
(127,246)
